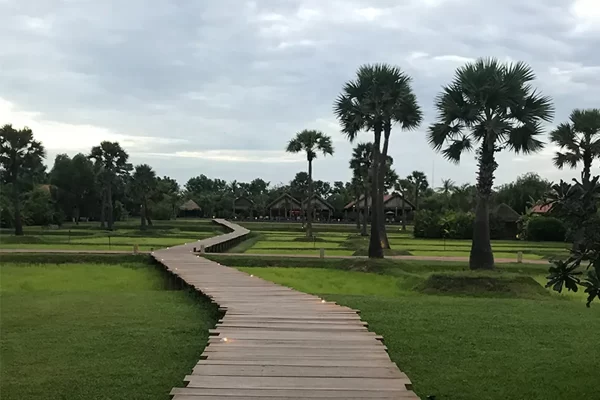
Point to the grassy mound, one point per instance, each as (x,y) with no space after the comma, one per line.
(309,239)
(364,252)
(482,285)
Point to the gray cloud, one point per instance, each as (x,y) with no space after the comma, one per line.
(243,77)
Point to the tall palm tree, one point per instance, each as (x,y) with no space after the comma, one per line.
(447,187)
(111,162)
(361,163)
(144,183)
(579,141)
(19,154)
(355,189)
(379,97)
(311,142)
(403,186)
(418,181)
(489,106)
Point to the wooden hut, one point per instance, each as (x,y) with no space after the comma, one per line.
(392,203)
(322,209)
(190,209)
(285,206)
(243,206)
(507,221)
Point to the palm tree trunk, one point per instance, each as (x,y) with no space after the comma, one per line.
(17,210)
(381,193)
(375,250)
(309,216)
(77,215)
(143,216)
(357,207)
(587,166)
(363,231)
(383,167)
(416,197)
(403,213)
(103,210)
(109,199)
(481,256)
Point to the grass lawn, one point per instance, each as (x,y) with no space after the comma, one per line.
(88,236)
(465,347)
(402,243)
(96,331)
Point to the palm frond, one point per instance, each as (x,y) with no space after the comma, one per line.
(564,137)
(454,150)
(561,160)
(523,139)
(586,121)
(294,146)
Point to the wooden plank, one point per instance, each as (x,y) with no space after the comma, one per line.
(290,371)
(262,382)
(286,394)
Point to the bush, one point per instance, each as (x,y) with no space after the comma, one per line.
(546,229)
(451,225)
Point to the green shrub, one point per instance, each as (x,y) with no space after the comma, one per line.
(546,229)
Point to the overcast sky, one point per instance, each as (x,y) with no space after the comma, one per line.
(218,87)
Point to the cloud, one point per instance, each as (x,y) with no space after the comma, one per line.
(220,87)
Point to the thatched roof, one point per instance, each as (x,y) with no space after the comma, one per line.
(505,213)
(285,199)
(386,199)
(319,199)
(190,205)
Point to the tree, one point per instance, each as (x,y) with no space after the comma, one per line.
(361,165)
(403,186)
(19,155)
(110,163)
(578,140)
(491,106)
(75,181)
(419,183)
(527,189)
(171,193)
(578,204)
(447,187)
(144,183)
(310,142)
(379,97)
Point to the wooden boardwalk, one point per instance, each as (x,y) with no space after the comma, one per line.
(276,343)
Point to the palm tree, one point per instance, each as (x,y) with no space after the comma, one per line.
(111,161)
(144,183)
(311,142)
(418,180)
(579,140)
(491,106)
(447,187)
(19,154)
(379,97)
(361,163)
(403,186)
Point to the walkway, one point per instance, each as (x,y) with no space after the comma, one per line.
(276,343)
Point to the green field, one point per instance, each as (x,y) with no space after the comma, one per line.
(522,343)
(96,331)
(88,236)
(343,240)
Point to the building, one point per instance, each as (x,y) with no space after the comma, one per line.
(322,209)
(285,207)
(392,203)
(190,209)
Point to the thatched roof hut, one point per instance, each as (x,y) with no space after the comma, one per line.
(190,205)
(505,213)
